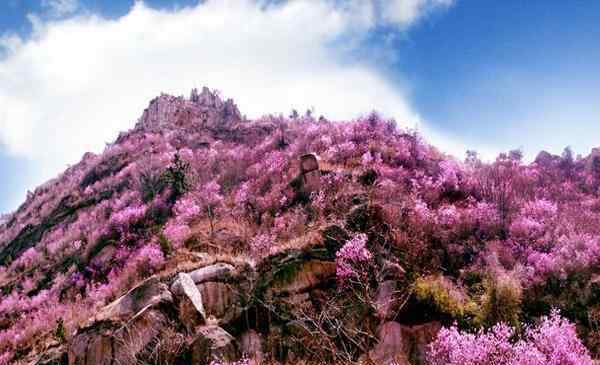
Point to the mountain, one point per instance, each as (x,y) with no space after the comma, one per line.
(200,236)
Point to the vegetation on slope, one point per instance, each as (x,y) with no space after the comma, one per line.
(478,244)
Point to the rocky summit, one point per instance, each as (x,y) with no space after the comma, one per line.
(202,237)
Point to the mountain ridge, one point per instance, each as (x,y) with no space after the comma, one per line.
(291,230)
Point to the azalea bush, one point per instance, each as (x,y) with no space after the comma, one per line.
(552,341)
(352,261)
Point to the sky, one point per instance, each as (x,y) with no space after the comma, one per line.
(483,75)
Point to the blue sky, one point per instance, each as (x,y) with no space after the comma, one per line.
(484,75)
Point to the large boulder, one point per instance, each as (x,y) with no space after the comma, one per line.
(219,295)
(139,335)
(150,293)
(216,272)
(191,308)
(94,345)
(213,343)
(123,328)
(105,343)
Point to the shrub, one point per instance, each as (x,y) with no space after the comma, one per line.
(151,185)
(553,341)
(444,295)
(352,261)
(501,301)
(177,177)
(59,332)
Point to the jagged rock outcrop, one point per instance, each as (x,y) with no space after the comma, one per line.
(202,110)
(222,300)
(108,342)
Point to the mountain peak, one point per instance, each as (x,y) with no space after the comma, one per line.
(204,109)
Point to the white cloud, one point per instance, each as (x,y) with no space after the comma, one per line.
(404,13)
(76,82)
(59,8)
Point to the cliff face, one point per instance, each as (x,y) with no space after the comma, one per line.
(199,235)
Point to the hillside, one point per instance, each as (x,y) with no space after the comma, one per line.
(201,236)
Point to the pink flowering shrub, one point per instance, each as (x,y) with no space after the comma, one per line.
(148,259)
(553,341)
(568,254)
(176,232)
(352,260)
(186,209)
(261,244)
(28,259)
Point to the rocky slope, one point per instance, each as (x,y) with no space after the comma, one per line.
(202,236)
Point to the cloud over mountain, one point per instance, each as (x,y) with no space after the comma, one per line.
(76,81)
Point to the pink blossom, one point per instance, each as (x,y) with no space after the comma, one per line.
(351,258)
(186,209)
(176,232)
(260,245)
(553,341)
(149,257)
(27,259)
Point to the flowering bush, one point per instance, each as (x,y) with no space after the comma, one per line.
(29,258)
(352,259)
(553,341)
(260,245)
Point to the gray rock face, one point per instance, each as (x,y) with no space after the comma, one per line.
(191,292)
(221,301)
(213,343)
